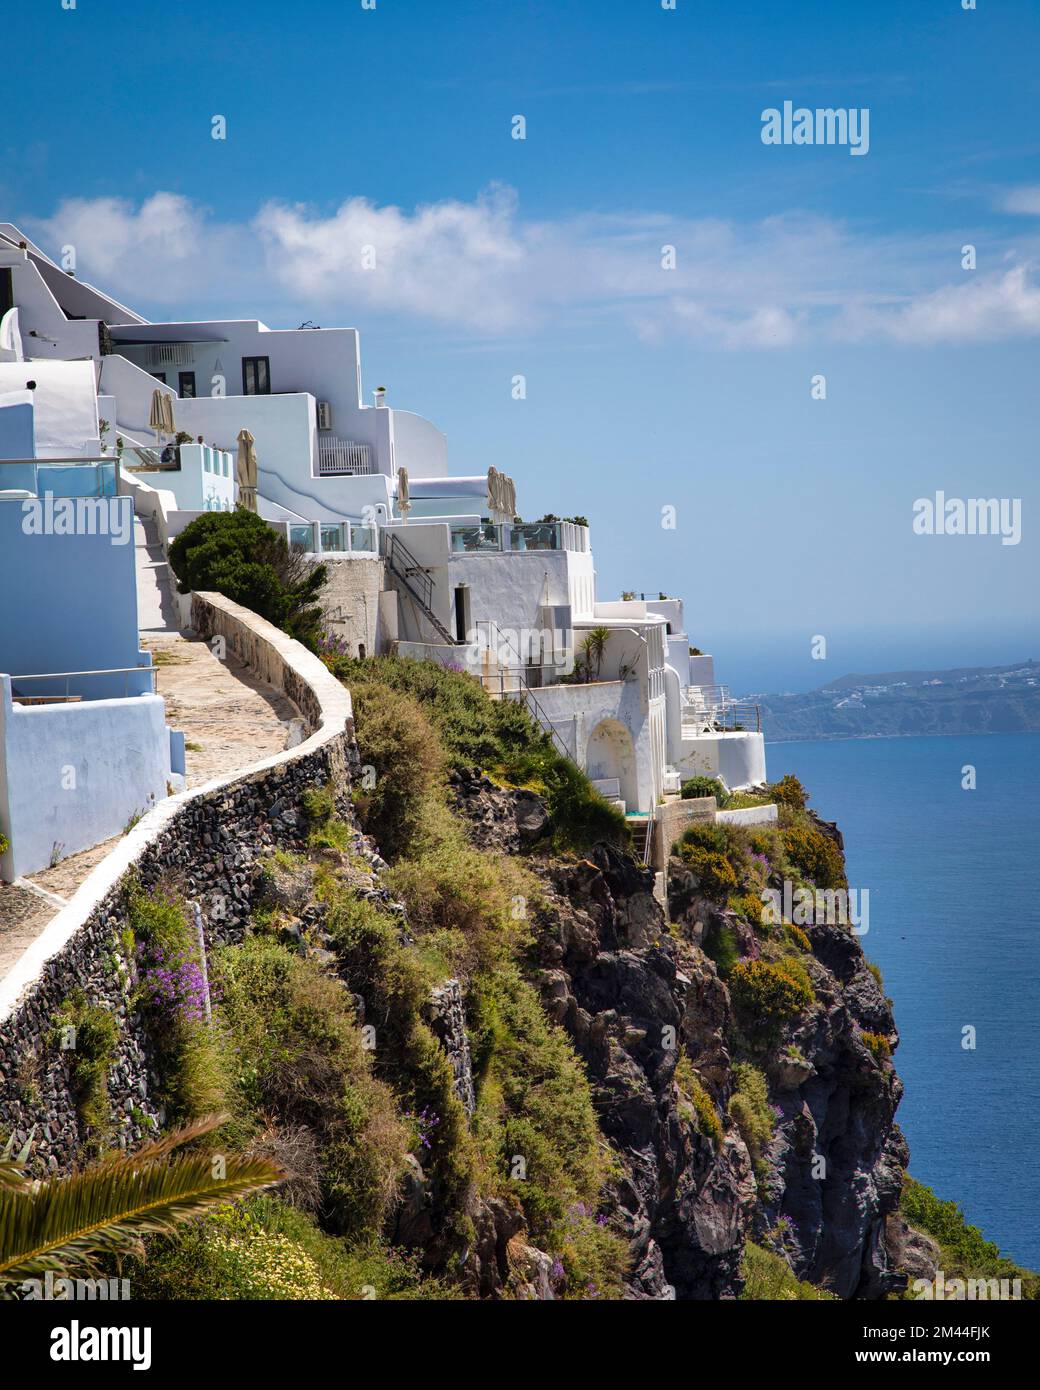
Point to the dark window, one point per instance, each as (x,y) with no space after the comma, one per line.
(6,290)
(256,376)
(186,385)
(160,376)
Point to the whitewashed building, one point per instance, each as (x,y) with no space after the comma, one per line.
(424,563)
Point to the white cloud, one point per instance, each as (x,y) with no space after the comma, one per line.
(482,268)
(1024,199)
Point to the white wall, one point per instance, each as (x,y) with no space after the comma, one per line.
(65,420)
(738,758)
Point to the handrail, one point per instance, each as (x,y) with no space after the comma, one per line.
(66,676)
(411,566)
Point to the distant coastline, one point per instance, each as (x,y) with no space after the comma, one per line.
(909,704)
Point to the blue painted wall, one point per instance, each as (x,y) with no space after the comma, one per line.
(17,441)
(69,602)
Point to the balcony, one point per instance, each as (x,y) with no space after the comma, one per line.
(330,537)
(72,477)
(339,457)
(521,537)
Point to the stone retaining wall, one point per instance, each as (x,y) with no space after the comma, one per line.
(204,843)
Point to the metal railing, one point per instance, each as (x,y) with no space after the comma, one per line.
(722,715)
(416,580)
(342,456)
(152,672)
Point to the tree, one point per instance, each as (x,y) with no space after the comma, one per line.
(594,647)
(237,554)
(65,1223)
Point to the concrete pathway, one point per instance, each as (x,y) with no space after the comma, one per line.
(156,609)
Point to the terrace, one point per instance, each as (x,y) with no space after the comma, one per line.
(489,538)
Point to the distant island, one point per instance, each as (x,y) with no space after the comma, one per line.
(968,700)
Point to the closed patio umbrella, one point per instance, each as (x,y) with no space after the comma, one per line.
(404,505)
(161,417)
(245,471)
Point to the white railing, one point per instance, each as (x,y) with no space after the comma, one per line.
(342,456)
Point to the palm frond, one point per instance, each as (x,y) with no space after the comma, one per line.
(65,1222)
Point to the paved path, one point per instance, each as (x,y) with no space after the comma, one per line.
(156,609)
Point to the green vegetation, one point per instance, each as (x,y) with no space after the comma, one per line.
(814,855)
(88,1035)
(965,1253)
(878,1044)
(689,1083)
(766,994)
(752,1113)
(788,792)
(171,998)
(694,787)
(768,1276)
(70,1223)
(238,555)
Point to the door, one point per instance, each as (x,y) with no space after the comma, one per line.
(256,376)
(186,385)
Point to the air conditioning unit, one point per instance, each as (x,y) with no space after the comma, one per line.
(324,415)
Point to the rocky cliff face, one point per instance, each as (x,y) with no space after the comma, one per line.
(634,995)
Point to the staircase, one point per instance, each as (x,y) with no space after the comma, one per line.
(416,582)
(640,828)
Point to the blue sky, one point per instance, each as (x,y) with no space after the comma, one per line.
(646,388)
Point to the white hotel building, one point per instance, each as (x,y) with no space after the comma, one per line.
(422,561)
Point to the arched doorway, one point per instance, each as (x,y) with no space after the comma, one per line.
(610,753)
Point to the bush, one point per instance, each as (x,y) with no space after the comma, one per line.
(878,1044)
(966,1253)
(689,1083)
(713,871)
(299,1058)
(396,740)
(237,554)
(768,1276)
(788,792)
(94,1038)
(499,736)
(766,994)
(814,855)
(752,1113)
(704,786)
(535,1104)
(171,997)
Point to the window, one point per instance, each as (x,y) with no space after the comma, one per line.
(256,376)
(6,290)
(186,385)
(160,376)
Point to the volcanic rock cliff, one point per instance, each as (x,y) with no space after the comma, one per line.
(645,1006)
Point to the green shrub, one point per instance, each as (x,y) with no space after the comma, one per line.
(689,1084)
(499,736)
(94,1037)
(326,829)
(534,1104)
(814,855)
(768,1277)
(713,871)
(299,1059)
(704,786)
(878,1044)
(965,1252)
(396,740)
(788,792)
(720,945)
(169,995)
(752,1113)
(239,555)
(767,994)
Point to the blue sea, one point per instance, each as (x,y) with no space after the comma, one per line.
(954,880)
